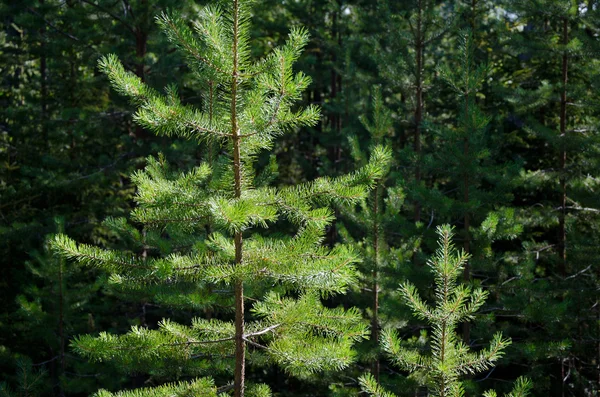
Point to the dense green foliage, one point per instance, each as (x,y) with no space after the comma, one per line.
(450,358)
(478,114)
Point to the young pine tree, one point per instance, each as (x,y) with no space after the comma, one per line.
(450,358)
(283,276)
(417,26)
(474,188)
(372,218)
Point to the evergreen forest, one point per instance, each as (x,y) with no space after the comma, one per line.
(285,198)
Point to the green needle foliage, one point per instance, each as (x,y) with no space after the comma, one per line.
(201,228)
(450,358)
(200,387)
(370,228)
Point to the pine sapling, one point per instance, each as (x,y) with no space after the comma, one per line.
(275,282)
(450,358)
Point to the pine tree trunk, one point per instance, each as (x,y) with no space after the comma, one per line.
(375,285)
(61,317)
(562,238)
(141,43)
(43,82)
(240,344)
(466,327)
(419,104)
(467,220)
(72,103)
(334,122)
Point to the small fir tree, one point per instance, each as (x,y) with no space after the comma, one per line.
(252,105)
(450,358)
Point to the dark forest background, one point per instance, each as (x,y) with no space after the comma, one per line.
(522,191)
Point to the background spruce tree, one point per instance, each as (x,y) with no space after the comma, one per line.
(450,358)
(285,277)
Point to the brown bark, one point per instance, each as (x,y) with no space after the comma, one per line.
(141,43)
(240,344)
(562,233)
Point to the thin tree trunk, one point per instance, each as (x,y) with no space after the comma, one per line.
(73,102)
(562,237)
(466,199)
(598,331)
(43,82)
(419,104)
(334,122)
(141,44)
(473,15)
(467,220)
(61,322)
(375,286)
(240,344)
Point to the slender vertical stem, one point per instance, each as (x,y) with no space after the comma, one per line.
(444,325)
(334,116)
(141,43)
(562,377)
(466,180)
(43,82)
(375,286)
(419,102)
(72,101)
(240,344)
(211,98)
(473,14)
(598,331)
(562,238)
(213,148)
(61,315)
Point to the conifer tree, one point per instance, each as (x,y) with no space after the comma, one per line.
(552,96)
(450,358)
(285,277)
(412,45)
(479,186)
(30,381)
(58,304)
(373,216)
